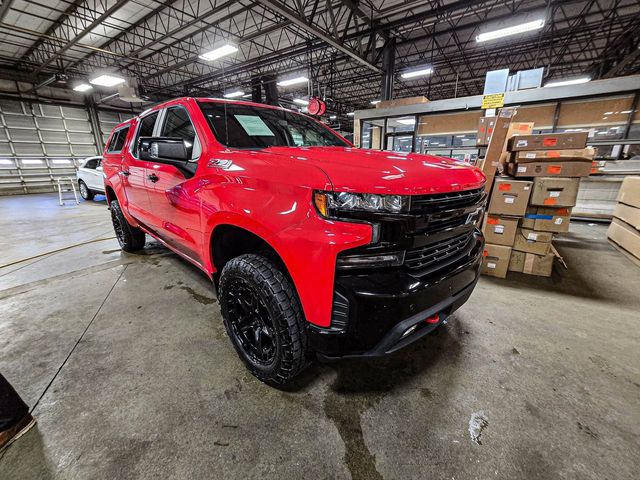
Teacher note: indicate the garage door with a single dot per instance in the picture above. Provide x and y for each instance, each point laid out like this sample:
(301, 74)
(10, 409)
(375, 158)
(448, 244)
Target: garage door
(40, 143)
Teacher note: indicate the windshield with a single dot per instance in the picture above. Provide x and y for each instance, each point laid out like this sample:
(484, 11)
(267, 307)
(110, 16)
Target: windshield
(248, 126)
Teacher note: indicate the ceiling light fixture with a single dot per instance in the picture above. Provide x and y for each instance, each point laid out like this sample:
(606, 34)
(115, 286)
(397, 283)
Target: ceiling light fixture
(375, 102)
(573, 81)
(506, 32)
(351, 114)
(107, 80)
(292, 81)
(332, 117)
(216, 53)
(301, 101)
(82, 87)
(234, 94)
(407, 121)
(417, 73)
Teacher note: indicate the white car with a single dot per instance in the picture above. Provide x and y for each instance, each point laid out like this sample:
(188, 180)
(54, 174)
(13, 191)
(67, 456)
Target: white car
(90, 177)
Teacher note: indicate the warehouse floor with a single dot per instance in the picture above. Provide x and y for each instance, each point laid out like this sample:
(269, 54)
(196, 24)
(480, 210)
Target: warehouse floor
(127, 362)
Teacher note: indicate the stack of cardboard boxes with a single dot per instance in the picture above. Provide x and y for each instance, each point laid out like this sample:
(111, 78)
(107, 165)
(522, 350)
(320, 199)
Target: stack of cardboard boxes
(533, 202)
(624, 231)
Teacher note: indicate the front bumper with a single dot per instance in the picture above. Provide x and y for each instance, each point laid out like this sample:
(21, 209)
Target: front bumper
(383, 305)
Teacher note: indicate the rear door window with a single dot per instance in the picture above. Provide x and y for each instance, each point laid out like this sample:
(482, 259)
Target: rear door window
(117, 140)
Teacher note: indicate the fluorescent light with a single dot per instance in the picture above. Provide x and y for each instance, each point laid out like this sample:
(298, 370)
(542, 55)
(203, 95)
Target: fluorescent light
(107, 80)
(573, 81)
(516, 29)
(234, 94)
(5, 162)
(332, 117)
(60, 162)
(216, 53)
(417, 73)
(351, 114)
(31, 162)
(407, 121)
(375, 102)
(82, 87)
(292, 81)
(300, 101)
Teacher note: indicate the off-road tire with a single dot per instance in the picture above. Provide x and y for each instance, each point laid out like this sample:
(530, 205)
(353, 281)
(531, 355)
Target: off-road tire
(279, 299)
(130, 238)
(85, 192)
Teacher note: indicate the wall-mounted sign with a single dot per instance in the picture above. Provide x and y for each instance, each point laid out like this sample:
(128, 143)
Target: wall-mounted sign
(495, 100)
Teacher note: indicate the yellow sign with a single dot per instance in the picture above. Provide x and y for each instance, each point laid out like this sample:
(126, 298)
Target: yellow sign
(495, 100)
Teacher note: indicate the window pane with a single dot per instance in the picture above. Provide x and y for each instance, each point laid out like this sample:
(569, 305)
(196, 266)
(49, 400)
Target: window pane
(119, 143)
(177, 124)
(145, 129)
(244, 126)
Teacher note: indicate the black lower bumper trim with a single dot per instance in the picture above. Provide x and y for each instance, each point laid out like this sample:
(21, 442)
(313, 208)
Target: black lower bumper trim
(394, 340)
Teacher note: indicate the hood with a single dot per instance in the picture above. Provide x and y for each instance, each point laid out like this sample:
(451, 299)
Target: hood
(375, 171)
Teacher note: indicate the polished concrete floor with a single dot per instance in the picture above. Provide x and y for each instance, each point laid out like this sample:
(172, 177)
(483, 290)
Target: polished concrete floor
(125, 361)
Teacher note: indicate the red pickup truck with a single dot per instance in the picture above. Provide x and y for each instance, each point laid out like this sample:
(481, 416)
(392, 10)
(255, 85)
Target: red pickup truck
(315, 248)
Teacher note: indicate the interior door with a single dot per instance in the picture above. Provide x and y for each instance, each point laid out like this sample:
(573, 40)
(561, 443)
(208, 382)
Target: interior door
(176, 211)
(134, 172)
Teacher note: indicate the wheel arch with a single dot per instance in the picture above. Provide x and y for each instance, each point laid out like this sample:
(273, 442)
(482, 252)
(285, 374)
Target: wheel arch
(110, 194)
(228, 241)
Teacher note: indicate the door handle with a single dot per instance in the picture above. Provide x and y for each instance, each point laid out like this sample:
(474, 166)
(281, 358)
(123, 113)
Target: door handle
(125, 173)
(153, 177)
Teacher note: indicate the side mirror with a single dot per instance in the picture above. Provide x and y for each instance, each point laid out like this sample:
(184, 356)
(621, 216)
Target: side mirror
(163, 149)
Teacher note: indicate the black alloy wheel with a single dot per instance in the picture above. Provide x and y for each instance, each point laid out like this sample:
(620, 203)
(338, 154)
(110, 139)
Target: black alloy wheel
(250, 322)
(263, 318)
(130, 238)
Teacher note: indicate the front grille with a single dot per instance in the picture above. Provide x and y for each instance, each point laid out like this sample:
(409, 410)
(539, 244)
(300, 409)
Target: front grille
(437, 255)
(444, 229)
(445, 201)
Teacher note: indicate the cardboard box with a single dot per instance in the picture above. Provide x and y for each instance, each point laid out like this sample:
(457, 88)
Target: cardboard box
(628, 214)
(531, 264)
(509, 197)
(548, 141)
(624, 235)
(543, 169)
(531, 241)
(515, 128)
(547, 219)
(495, 260)
(499, 230)
(570, 155)
(554, 191)
(630, 192)
(496, 144)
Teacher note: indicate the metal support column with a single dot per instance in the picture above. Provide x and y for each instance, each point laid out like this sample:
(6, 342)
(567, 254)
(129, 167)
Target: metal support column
(95, 123)
(388, 64)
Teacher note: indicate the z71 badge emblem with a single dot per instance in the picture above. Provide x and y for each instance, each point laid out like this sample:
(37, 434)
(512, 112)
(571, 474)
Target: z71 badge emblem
(217, 163)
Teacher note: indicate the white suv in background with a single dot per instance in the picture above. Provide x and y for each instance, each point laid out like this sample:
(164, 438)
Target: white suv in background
(90, 177)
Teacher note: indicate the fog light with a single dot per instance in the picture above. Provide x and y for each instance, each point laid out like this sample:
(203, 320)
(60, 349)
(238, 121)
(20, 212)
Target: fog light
(409, 330)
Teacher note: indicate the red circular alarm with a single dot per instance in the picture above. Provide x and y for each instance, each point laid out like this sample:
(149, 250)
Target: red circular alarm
(316, 106)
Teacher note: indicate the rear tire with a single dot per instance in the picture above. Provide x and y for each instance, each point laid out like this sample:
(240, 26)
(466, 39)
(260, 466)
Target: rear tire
(130, 238)
(263, 318)
(84, 191)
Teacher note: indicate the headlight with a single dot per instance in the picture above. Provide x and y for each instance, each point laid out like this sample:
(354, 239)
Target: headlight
(330, 204)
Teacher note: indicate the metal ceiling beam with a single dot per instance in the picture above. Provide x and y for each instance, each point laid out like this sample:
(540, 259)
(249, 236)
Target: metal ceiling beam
(4, 9)
(107, 13)
(296, 19)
